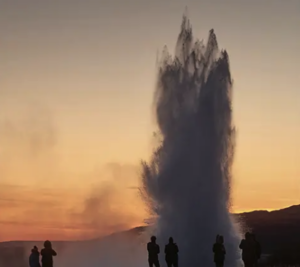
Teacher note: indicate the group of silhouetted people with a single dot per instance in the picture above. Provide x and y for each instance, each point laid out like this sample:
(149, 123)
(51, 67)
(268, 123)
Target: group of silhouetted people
(171, 253)
(250, 247)
(47, 254)
(251, 251)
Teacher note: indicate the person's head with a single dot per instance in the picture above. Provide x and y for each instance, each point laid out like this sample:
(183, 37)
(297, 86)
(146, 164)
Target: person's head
(47, 244)
(247, 236)
(171, 241)
(217, 239)
(153, 239)
(221, 239)
(253, 237)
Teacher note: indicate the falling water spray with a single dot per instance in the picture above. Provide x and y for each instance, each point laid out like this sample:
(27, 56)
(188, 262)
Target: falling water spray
(187, 183)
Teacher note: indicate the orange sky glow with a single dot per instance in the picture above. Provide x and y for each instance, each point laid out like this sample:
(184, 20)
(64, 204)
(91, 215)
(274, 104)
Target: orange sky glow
(76, 91)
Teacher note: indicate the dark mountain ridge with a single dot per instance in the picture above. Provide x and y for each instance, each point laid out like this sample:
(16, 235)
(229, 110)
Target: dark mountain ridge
(275, 229)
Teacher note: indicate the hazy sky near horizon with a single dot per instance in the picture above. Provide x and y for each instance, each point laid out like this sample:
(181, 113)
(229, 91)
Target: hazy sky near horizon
(76, 88)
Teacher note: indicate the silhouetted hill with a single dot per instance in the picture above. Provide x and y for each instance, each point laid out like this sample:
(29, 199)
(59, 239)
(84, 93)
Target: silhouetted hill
(275, 229)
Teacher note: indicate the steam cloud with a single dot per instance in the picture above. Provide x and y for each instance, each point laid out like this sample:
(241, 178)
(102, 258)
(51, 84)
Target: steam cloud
(187, 182)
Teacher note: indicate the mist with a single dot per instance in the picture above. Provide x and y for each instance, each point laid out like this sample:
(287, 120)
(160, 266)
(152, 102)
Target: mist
(41, 199)
(187, 183)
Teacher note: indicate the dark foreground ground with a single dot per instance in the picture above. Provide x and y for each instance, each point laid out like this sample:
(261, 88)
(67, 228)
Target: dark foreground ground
(278, 232)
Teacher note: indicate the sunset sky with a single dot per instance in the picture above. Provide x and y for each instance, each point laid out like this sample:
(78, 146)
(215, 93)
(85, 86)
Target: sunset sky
(76, 87)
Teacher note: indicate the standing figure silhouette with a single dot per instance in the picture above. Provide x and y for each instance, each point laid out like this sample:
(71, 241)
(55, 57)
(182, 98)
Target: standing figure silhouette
(219, 251)
(153, 251)
(34, 258)
(47, 254)
(171, 251)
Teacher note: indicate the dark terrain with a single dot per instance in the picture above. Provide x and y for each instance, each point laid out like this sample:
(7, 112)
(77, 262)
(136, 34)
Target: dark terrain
(278, 232)
(275, 229)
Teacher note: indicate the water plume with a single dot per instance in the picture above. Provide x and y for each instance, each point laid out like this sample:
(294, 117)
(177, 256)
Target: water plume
(187, 182)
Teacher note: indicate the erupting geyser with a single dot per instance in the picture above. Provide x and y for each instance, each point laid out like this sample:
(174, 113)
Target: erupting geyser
(187, 183)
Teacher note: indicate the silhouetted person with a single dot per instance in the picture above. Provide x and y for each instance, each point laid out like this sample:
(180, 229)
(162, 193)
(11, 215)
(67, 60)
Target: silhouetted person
(257, 250)
(47, 254)
(171, 251)
(153, 251)
(34, 258)
(219, 251)
(248, 250)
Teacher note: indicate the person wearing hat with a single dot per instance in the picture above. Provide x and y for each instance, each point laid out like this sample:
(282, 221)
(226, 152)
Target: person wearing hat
(34, 258)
